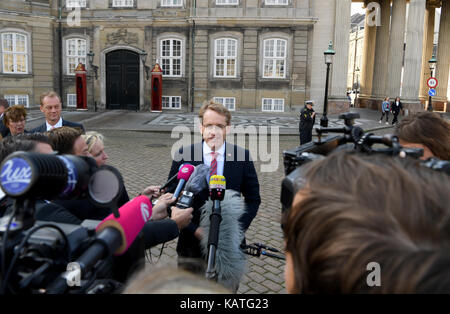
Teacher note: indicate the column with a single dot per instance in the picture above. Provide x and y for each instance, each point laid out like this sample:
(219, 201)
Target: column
(427, 51)
(396, 42)
(338, 79)
(380, 71)
(370, 35)
(413, 57)
(443, 57)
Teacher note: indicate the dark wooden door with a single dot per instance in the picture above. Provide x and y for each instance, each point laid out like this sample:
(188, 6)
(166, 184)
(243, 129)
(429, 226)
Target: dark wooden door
(122, 80)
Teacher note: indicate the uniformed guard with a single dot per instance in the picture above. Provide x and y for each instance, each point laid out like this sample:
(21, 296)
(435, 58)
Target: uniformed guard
(307, 119)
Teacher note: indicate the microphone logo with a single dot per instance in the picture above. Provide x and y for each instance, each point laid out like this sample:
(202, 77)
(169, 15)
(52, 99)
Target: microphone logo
(145, 212)
(15, 176)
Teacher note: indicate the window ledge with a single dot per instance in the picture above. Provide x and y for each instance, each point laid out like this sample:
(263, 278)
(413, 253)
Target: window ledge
(19, 75)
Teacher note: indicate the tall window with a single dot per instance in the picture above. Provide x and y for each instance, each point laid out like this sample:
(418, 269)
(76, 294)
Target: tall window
(171, 57)
(276, 2)
(275, 58)
(225, 52)
(227, 2)
(122, 3)
(14, 47)
(273, 104)
(171, 3)
(71, 100)
(228, 102)
(76, 3)
(171, 102)
(76, 53)
(17, 100)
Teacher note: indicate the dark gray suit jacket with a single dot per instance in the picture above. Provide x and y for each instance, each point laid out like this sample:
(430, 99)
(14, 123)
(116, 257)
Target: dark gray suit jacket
(43, 127)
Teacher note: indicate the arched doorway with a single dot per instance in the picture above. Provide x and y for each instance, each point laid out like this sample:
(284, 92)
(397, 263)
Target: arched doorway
(122, 80)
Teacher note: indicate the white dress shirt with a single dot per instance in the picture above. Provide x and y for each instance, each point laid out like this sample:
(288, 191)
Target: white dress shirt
(57, 125)
(207, 158)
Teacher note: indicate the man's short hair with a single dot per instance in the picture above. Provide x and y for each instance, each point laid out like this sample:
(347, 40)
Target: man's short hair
(13, 144)
(49, 94)
(63, 139)
(220, 109)
(4, 103)
(429, 129)
(358, 209)
(14, 114)
(35, 136)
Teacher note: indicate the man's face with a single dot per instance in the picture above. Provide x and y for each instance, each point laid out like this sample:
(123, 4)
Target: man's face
(51, 107)
(214, 129)
(80, 147)
(2, 109)
(309, 106)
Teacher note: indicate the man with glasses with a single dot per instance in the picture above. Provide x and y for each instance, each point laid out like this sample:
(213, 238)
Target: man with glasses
(223, 158)
(51, 107)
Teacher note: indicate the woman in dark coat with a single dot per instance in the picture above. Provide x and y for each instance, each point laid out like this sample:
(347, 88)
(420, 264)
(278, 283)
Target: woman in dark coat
(396, 108)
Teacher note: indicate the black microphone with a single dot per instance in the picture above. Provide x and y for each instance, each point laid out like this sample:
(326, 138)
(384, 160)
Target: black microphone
(199, 179)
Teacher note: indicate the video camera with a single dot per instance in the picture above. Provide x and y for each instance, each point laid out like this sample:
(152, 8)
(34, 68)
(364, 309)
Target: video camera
(352, 138)
(34, 255)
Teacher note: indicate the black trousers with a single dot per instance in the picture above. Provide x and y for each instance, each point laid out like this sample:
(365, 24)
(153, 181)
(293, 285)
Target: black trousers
(385, 113)
(395, 119)
(305, 136)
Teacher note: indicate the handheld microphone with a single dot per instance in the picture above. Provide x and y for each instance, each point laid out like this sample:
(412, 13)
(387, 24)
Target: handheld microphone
(183, 175)
(133, 216)
(217, 186)
(173, 178)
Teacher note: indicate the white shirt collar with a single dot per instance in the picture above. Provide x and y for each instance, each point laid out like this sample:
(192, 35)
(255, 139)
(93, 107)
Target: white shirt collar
(207, 150)
(57, 125)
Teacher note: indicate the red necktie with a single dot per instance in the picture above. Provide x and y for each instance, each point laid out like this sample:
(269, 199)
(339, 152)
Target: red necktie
(213, 168)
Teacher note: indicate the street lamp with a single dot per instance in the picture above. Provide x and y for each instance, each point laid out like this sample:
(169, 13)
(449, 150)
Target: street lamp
(143, 59)
(329, 53)
(432, 64)
(91, 55)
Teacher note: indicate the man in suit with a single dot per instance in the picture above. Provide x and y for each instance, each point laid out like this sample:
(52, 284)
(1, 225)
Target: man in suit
(4, 130)
(226, 159)
(51, 107)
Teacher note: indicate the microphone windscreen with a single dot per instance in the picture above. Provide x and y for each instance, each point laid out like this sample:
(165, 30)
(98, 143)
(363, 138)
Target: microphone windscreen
(198, 180)
(133, 216)
(185, 172)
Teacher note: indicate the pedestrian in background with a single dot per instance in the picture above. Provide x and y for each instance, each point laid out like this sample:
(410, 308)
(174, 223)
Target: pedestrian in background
(307, 120)
(396, 108)
(385, 109)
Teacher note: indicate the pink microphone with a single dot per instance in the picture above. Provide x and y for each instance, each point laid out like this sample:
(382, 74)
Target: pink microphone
(133, 216)
(183, 175)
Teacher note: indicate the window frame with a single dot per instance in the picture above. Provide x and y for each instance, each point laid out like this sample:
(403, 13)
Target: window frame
(171, 98)
(69, 4)
(68, 100)
(171, 58)
(171, 4)
(274, 58)
(16, 99)
(276, 3)
(15, 53)
(225, 57)
(223, 102)
(227, 2)
(67, 56)
(122, 5)
(271, 104)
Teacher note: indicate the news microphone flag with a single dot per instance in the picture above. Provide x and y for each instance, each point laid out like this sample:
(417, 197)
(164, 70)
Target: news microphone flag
(217, 186)
(183, 175)
(133, 216)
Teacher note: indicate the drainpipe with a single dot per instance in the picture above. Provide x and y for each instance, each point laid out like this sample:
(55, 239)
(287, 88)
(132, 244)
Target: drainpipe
(192, 31)
(60, 57)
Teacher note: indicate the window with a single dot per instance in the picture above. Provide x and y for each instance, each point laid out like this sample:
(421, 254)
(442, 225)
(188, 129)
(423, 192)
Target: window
(76, 53)
(171, 57)
(171, 3)
(122, 3)
(71, 100)
(273, 104)
(228, 102)
(225, 51)
(274, 58)
(171, 102)
(76, 3)
(14, 47)
(17, 100)
(227, 2)
(276, 2)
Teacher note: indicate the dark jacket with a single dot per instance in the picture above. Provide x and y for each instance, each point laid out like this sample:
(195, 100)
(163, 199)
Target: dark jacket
(306, 119)
(43, 127)
(240, 176)
(396, 109)
(4, 130)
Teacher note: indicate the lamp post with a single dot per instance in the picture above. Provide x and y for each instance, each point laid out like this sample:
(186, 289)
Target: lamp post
(329, 53)
(91, 55)
(143, 59)
(432, 64)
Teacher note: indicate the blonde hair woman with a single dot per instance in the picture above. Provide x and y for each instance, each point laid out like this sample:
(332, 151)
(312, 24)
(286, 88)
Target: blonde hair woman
(96, 147)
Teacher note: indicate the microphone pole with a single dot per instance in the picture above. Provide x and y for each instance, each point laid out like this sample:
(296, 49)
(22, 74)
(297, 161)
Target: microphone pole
(217, 186)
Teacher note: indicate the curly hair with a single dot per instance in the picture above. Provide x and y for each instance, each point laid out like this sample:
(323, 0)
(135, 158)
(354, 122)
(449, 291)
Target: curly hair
(14, 114)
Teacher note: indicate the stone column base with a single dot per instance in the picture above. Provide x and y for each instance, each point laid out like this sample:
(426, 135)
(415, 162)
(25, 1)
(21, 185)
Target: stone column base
(338, 105)
(413, 106)
(369, 103)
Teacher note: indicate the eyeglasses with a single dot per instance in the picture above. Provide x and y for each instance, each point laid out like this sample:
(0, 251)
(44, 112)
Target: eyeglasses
(210, 127)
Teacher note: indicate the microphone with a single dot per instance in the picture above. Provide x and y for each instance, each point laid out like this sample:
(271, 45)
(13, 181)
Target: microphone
(198, 180)
(183, 175)
(217, 185)
(133, 216)
(171, 179)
